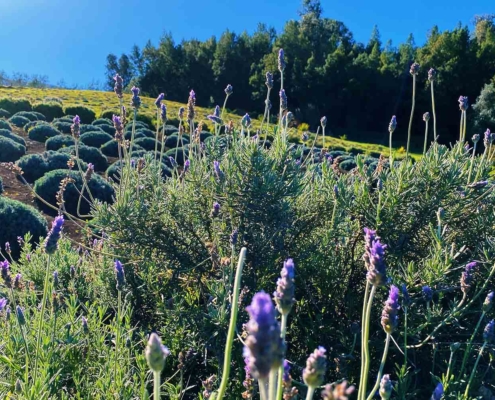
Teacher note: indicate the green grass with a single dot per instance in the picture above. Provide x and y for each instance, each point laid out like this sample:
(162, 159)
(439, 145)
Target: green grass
(100, 101)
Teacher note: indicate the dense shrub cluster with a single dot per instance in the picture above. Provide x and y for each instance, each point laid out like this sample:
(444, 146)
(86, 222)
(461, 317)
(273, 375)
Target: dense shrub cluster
(86, 114)
(10, 150)
(5, 125)
(95, 139)
(15, 105)
(16, 138)
(89, 155)
(34, 166)
(4, 113)
(31, 115)
(18, 121)
(49, 110)
(59, 141)
(42, 132)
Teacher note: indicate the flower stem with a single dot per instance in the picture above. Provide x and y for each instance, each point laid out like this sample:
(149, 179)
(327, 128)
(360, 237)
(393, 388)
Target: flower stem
(272, 384)
(464, 128)
(405, 336)
(156, 385)
(390, 145)
(412, 114)
(311, 392)
(117, 336)
(40, 323)
(283, 330)
(363, 317)
(461, 127)
(263, 390)
(231, 332)
(470, 343)
(380, 371)
(474, 370)
(434, 113)
(472, 163)
(364, 376)
(426, 138)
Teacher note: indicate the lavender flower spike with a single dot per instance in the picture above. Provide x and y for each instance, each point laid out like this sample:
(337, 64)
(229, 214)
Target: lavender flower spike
(76, 126)
(89, 172)
(374, 258)
(283, 100)
(246, 121)
(163, 112)
(51, 241)
(20, 315)
(156, 353)
(119, 86)
(427, 293)
(233, 237)
(489, 332)
(269, 80)
(316, 365)
(414, 69)
(386, 387)
(229, 90)
(390, 310)
(159, 99)
(393, 124)
(467, 277)
(119, 275)
(3, 303)
(432, 75)
(437, 393)
(323, 121)
(218, 172)
(284, 295)
(281, 60)
(463, 103)
(426, 116)
(135, 100)
(264, 347)
(488, 303)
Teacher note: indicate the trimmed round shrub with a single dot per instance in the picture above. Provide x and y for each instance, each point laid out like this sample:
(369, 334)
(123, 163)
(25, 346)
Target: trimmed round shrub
(4, 113)
(89, 155)
(28, 114)
(108, 129)
(95, 139)
(337, 153)
(18, 219)
(146, 119)
(90, 128)
(148, 144)
(139, 124)
(64, 127)
(40, 133)
(348, 165)
(173, 141)
(41, 116)
(182, 155)
(12, 136)
(137, 135)
(5, 125)
(204, 135)
(35, 166)
(110, 149)
(32, 124)
(10, 150)
(15, 105)
(49, 110)
(48, 186)
(57, 142)
(102, 121)
(108, 114)
(173, 122)
(86, 114)
(18, 121)
(67, 118)
(138, 153)
(170, 129)
(147, 132)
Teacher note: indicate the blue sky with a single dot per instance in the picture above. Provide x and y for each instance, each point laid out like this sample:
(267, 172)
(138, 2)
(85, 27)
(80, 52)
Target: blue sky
(69, 39)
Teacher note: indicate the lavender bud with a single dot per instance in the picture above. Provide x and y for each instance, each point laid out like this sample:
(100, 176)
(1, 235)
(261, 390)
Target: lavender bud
(290, 117)
(119, 274)
(159, 99)
(181, 112)
(426, 116)
(18, 282)
(119, 86)
(316, 365)
(187, 164)
(406, 300)
(51, 241)
(390, 310)
(284, 295)
(215, 211)
(20, 240)
(89, 172)
(477, 185)
(414, 69)
(281, 60)
(393, 124)
(76, 126)
(386, 387)
(475, 138)
(229, 90)
(233, 237)
(489, 332)
(20, 315)
(268, 104)
(84, 323)
(173, 163)
(432, 74)
(323, 121)
(8, 313)
(269, 80)
(427, 293)
(336, 190)
(437, 393)
(455, 346)
(286, 375)
(463, 103)
(488, 303)
(305, 136)
(156, 353)
(135, 100)
(18, 386)
(3, 303)
(246, 121)
(55, 279)
(283, 100)
(191, 102)
(264, 347)
(163, 112)
(374, 258)
(467, 277)
(218, 172)
(72, 271)
(7, 247)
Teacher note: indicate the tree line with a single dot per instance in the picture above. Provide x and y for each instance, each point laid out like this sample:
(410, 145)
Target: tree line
(357, 86)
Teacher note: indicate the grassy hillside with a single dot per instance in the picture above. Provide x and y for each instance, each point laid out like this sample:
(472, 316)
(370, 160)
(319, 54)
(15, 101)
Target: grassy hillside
(101, 101)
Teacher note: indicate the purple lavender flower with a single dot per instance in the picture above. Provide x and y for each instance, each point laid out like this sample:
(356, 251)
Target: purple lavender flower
(316, 365)
(467, 277)
(18, 282)
(489, 332)
(487, 140)
(284, 295)
(55, 279)
(246, 121)
(323, 121)
(386, 387)
(264, 347)
(248, 382)
(89, 172)
(475, 138)
(20, 315)
(281, 60)
(119, 127)
(229, 90)
(218, 172)
(20, 240)
(181, 112)
(191, 103)
(393, 124)
(432, 74)
(477, 185)
(336, 190)
(374, 258)
(437, 393)
(268, 104)
(390, 310)
(283, 100)
(156, 353)
(463, 103)
(3, 303)
(173, 163)
(84, 323)
(233, 237)
(269, 80)
(305, 137)
(8, 312)
(135, 100)
(426, 116)
(286, 375)
(76, 126)
(215, 211)
(488, 303)
(414, 69)
(427, 293)
(51, 241)
(119, 274)
(406, 300)
(119, 86)
(215, 117)
(159, 99)
(163, 112)
(72, 271)
(28, 257)
(187, 164)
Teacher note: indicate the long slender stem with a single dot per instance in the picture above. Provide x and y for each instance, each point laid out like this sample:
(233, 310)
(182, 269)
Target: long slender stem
(156, 385)
(263, 389)
(364, 375)
(390, 145)
(461, 126)
(157, 131)
(470, 343)
(311, 392)
(472, 163)
(426, 138)
(163, 143)
(465, 124)
(412, 114)
(117, 338)
(363, 317)
(231, 332)
(283, 330)
(272, 384)
(451, 358)
(434, 113)
(473, 372)
(380, 371)
(42, 314)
